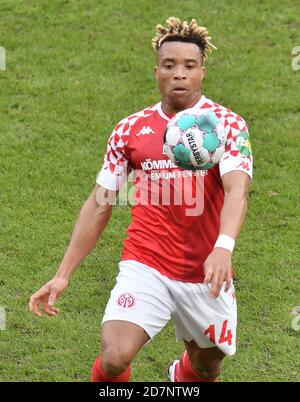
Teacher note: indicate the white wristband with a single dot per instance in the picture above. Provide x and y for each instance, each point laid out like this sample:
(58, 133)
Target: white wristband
(226, 242)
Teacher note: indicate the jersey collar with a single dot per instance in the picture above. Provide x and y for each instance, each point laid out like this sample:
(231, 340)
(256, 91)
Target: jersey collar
(200, 102)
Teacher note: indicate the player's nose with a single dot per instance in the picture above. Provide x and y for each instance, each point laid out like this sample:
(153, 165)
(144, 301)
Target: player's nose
(179, 73)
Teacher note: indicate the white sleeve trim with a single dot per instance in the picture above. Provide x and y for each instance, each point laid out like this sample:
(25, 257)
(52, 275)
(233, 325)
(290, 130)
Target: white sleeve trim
(235, 163)
(110, 181)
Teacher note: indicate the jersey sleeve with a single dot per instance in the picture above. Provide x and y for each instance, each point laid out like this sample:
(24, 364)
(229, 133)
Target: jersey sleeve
(116, 165)
(238, 153)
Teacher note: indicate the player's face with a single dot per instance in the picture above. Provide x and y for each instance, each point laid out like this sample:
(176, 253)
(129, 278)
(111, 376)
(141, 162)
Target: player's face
(179, 73)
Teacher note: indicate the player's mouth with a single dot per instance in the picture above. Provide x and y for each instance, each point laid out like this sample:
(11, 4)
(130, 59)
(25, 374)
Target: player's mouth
(179, 90)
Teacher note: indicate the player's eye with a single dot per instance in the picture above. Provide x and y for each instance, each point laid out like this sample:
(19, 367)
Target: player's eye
(168, 66)
(190, 67)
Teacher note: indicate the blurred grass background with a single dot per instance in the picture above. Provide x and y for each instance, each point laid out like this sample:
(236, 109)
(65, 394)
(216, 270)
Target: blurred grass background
(74, 69)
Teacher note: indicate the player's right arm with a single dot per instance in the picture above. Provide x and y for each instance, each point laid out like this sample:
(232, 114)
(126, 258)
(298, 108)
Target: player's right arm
(92, 219)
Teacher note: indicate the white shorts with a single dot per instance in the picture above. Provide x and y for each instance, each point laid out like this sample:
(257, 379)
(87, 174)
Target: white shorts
(149, 299)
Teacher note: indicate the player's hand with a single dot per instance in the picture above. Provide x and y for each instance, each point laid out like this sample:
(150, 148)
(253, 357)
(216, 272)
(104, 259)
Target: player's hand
(46, 297)
(217, 269)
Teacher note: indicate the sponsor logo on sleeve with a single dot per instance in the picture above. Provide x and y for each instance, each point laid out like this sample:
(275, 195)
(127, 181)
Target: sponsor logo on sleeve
(243, 143)
(244, 165)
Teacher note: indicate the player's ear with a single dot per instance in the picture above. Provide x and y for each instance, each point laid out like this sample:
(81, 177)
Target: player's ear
(155, 72)
(203, 71)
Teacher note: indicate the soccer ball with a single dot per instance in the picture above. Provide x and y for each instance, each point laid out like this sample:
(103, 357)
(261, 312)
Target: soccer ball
(195, 141)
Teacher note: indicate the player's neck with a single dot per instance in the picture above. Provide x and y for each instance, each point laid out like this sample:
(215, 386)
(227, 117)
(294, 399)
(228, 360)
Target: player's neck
(168, 107)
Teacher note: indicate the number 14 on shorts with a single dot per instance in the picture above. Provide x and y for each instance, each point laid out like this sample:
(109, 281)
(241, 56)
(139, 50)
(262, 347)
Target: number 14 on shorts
(225, 336)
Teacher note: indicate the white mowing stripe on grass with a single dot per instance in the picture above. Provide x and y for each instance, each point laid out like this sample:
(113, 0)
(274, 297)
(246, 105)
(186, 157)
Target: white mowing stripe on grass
(2, 58)
(2, 319)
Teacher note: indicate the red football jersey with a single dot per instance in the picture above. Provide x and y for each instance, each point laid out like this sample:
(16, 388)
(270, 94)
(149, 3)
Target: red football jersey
(176, 212)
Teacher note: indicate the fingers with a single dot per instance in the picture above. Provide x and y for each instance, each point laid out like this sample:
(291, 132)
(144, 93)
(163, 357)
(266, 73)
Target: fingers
(52, 297)
(216, 286)
(40, 298)
(33, 306)
(228, 281)
(216, 278)
(35, 300)
(47, 296)
(208, 276)
(49, 310)
(217, 268)
(212, 277)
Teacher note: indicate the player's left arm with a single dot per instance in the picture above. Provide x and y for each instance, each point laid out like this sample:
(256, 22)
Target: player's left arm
(218, 264)
(236, 188)
(236, 166)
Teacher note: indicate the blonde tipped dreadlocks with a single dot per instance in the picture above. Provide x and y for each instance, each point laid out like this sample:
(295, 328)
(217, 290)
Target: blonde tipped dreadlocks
(183, 32)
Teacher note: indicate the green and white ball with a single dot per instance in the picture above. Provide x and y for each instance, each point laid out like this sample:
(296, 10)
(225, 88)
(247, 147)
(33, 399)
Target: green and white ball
(195, 141)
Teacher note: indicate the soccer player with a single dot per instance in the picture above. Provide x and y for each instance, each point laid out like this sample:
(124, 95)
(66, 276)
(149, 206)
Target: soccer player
(175, 265)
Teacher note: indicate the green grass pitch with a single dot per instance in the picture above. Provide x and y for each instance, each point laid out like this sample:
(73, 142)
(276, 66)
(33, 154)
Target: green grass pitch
(73, 70)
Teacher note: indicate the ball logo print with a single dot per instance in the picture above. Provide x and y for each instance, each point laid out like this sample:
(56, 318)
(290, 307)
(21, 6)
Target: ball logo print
(195, 141)
(126, 300)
